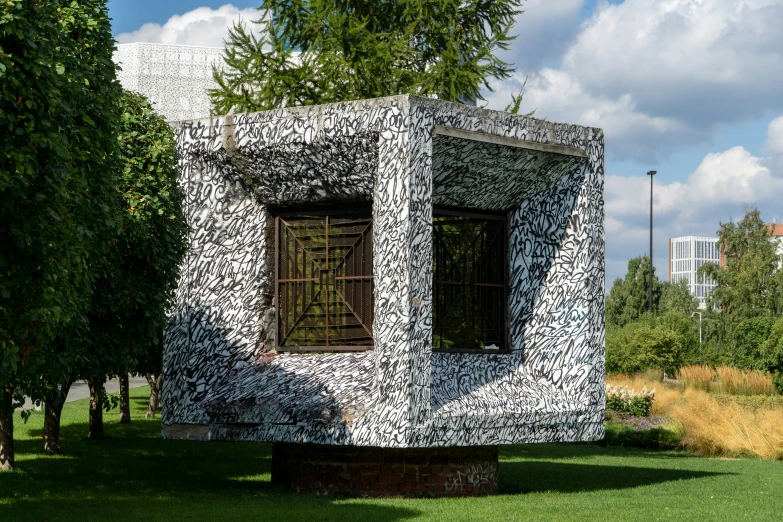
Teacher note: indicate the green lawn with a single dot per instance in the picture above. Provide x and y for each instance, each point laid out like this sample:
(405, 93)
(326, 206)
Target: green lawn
(134, 475)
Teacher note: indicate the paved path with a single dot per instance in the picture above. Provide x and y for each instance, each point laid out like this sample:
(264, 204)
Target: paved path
(80, 390)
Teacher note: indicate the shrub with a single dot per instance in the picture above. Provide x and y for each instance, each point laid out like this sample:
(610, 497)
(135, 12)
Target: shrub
(749, 336)
(664, 436)
(771, 353)
(642, 345)
(625, 400)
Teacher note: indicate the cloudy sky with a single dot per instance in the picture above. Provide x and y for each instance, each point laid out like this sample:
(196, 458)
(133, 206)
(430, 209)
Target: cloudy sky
(690, 88)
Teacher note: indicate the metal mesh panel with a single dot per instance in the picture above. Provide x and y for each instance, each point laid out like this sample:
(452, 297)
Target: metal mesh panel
(325, 283)
(469, 282)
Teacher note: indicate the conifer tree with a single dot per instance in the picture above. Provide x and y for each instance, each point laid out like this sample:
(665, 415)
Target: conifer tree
(315, 51)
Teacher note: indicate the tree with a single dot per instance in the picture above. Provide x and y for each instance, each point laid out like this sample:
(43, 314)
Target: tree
(136, 287)
(751, 283)
(687, 329)
(771, 353)
(628, 299)
(58, 148)
(354, 49)
(749, 336)
(677, 298)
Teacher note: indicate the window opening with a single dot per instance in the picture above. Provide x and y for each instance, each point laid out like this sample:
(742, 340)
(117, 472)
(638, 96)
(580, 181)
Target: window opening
(324, 282)
(469, 281)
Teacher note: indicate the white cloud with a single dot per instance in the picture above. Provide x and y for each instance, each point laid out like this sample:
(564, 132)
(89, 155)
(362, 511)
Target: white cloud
(680, 57)
(725, 180)
(720, 188)
(202, 26)
(558, 96)
(774, 145)
(658, 75)
(544, 31)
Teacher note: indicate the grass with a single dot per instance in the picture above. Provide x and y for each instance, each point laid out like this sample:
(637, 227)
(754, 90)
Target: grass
(135, 475)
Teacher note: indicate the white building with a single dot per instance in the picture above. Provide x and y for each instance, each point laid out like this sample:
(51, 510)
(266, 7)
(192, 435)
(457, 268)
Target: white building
(776, 236)
(686, 256)
(175, 78)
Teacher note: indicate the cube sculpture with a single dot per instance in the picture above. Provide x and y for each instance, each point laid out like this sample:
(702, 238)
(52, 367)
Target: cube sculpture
(387, 290)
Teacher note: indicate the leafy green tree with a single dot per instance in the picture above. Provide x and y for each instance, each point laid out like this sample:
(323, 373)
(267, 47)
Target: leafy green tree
(58, 153)
(354, 49)
(771, 354)
(748, 296)
(677, 298)
(751, 284)
(749, 336)
(136, 287)
(687, 328)
(161, 207)
(719, 340)
(628, 298)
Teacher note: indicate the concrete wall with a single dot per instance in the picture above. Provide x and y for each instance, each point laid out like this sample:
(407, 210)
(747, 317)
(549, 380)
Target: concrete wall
(402, 154)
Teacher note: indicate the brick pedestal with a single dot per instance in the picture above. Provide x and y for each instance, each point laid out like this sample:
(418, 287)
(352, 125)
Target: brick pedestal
(380, 472)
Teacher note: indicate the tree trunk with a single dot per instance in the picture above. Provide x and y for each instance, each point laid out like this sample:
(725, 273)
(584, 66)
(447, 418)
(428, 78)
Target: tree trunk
(54, 408)
(6, 429)
(124, 400)
(96, 411)
(156, 387)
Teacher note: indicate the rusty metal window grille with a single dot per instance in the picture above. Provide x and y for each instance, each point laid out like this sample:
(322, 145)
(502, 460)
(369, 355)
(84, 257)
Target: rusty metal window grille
(324, 282)
(469, 282)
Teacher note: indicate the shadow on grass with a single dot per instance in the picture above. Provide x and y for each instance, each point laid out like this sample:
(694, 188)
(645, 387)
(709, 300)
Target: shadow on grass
(134, 474)
(585, 450)
(540, 476)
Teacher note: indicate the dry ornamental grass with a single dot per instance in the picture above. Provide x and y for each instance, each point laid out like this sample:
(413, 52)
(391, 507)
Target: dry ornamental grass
(715, 428)
(717, 425)
(726, 379)
(743, 382)
(696, 376)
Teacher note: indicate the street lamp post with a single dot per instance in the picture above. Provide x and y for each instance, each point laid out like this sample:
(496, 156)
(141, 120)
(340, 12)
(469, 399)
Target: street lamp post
(700, 353)
(699, 313)
(652, 174)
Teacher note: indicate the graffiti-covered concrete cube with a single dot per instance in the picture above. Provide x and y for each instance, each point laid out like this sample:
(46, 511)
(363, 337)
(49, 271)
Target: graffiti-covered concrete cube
(399, 272)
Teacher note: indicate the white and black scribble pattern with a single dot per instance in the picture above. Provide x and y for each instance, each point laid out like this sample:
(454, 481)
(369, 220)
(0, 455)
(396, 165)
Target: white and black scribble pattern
(549, 388)
(486, 176)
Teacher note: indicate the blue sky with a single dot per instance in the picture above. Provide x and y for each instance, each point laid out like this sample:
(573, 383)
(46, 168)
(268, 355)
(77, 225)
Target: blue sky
(129, 15)
(690, 88)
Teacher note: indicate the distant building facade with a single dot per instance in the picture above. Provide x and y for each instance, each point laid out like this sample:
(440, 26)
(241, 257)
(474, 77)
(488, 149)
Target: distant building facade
(776, 236)
(688, 254)
(175, 78)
